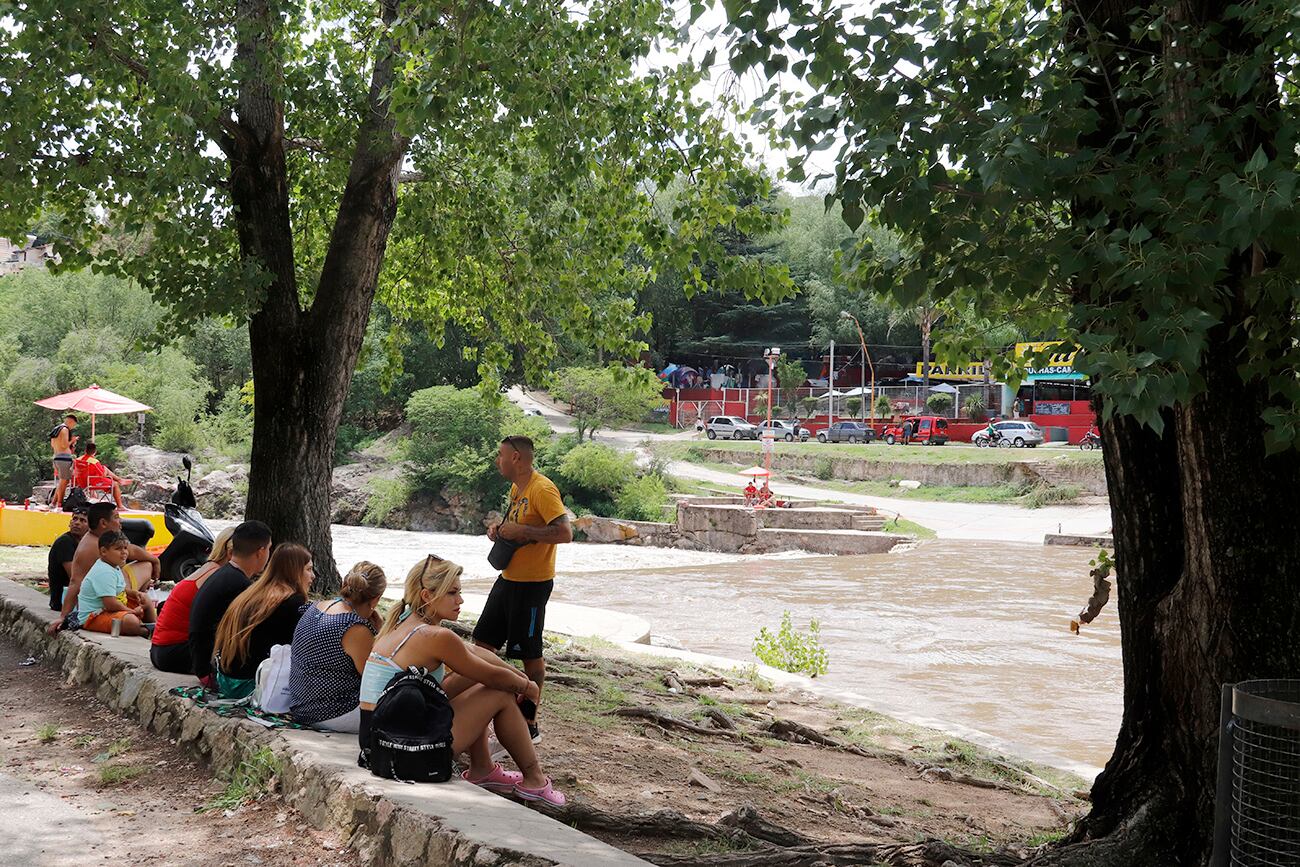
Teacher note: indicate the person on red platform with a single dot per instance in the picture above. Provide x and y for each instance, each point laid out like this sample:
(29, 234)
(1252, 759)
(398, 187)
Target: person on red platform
(96, 475)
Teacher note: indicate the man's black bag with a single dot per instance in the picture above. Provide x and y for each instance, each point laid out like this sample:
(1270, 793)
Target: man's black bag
(410, 730)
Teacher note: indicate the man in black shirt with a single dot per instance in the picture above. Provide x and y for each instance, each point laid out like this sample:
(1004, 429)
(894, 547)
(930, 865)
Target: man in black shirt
(62, 551)
(250, 548)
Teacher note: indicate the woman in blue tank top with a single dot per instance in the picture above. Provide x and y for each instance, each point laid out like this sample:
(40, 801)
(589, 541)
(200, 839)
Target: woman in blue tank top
(482, 687)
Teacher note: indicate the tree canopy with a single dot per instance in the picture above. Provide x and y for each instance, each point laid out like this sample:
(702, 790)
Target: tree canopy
(1122, 175)
(489, 165)
(606, 396)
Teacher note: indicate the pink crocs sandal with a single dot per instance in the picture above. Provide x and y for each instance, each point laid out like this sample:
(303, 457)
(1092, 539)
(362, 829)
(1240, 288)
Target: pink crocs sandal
(499, 780)
(546, 793)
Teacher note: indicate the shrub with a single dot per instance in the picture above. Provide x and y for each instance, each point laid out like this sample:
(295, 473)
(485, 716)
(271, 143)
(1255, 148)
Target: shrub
(455, 433)
(386, 497)
(853, 406)
(791, 650)
(809, 405)
(594, 469)
(824, 469)
(232, 423)
(884, 408)
(974, 407)
(642, 499)
(939, 403)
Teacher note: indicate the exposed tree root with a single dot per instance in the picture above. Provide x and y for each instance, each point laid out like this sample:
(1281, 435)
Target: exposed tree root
(669, 721)
(932, 854)
(773, 845)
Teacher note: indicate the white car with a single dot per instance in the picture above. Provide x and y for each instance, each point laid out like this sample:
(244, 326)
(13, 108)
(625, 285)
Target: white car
(731, 427)
(785, 430)
(1018, 432)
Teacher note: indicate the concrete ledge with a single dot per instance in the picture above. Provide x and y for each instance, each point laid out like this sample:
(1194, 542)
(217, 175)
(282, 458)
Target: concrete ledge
(1079, 540)
(389, 823)
(837, 542)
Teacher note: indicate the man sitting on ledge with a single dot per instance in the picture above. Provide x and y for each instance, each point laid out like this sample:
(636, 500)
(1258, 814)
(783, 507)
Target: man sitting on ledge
(103, 517)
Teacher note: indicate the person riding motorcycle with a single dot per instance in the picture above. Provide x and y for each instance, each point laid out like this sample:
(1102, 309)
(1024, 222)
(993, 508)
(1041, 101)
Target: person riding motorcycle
(992, 433)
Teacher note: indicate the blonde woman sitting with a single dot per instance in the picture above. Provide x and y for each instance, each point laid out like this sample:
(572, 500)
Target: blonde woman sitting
(482, 687)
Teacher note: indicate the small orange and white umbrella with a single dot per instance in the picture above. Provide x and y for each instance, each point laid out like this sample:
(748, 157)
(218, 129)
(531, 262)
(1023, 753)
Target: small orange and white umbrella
(755, 471)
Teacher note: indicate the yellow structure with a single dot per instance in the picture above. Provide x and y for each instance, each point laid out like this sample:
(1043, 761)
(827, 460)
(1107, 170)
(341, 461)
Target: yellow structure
(19, 526)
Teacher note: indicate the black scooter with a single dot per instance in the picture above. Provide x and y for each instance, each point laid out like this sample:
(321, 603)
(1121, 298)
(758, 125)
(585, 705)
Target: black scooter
(191, 539)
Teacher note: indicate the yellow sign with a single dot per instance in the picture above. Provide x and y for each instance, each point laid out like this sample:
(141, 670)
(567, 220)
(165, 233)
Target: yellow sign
(943, 371)
(1059, 366)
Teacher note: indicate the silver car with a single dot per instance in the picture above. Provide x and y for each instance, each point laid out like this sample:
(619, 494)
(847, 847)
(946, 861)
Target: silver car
(1019, 432)
(730, 427)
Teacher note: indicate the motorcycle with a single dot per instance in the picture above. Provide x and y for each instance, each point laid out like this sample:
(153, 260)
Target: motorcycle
(191, 539)
(995, 440)
(1090, 441)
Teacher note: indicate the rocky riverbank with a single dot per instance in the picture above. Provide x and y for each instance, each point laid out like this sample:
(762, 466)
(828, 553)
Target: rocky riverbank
(371, 490)
(685, 765)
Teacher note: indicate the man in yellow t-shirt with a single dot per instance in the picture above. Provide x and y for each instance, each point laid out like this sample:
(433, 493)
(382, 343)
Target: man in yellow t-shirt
(536, 520)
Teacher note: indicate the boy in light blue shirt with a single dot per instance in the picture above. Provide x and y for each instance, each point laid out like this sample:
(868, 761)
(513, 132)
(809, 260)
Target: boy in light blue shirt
(102, 598)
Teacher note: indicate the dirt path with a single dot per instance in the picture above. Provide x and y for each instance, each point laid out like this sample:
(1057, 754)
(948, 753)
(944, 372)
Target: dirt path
(80, 785)
(882, 782)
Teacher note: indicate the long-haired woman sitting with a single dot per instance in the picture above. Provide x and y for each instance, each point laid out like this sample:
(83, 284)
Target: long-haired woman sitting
(482, 687)
(261, 617)
(170, 650)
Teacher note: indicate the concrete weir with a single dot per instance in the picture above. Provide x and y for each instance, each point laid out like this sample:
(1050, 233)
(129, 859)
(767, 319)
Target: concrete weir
(726, 524)
(389, 823)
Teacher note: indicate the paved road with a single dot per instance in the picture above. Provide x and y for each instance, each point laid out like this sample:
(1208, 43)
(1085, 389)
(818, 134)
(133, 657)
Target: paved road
(991, 521)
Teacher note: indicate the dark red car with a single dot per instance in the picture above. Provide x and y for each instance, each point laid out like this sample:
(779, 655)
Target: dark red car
(930, 430)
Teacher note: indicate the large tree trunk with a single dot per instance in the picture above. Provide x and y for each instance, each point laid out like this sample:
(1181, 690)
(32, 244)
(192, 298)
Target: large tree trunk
(1207, 559)
(303, 359)
(1206, 551)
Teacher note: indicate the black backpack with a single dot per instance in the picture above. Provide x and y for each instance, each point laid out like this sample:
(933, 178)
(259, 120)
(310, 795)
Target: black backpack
(410, 730)
(75, 500)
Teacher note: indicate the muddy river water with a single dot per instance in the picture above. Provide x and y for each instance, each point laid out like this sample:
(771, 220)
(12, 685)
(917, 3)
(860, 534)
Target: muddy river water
(966, 634)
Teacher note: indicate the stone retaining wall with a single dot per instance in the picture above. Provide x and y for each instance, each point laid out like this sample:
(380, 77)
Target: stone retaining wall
(1090, 477)
(388, 823)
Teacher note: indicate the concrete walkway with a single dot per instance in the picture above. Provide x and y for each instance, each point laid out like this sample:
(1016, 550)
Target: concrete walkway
(42, 830)
(580, 621)
(389, 822)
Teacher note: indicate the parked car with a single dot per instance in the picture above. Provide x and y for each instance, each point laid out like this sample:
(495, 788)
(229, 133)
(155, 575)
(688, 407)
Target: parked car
(1020, 433)
(930, 430)
(730, 427)
(847, 432)
(786, 430)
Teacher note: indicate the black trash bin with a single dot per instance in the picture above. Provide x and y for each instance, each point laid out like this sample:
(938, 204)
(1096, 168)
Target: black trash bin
(1257, 809)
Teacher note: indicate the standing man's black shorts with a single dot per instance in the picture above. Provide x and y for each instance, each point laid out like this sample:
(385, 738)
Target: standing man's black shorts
(514, 616)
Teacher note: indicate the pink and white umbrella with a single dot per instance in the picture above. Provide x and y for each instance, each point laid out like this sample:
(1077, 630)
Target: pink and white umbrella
(94, 400)
(755, 471)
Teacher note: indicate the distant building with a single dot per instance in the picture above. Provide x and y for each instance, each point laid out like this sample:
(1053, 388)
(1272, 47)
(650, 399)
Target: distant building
(32, 251)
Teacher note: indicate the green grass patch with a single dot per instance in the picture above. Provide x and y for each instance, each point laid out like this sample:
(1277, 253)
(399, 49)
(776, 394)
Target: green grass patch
(1049, 495)
(1042, 838)
(115, 775)
(47, 733)
(908, 528)
(82, 742)
(254, 778)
